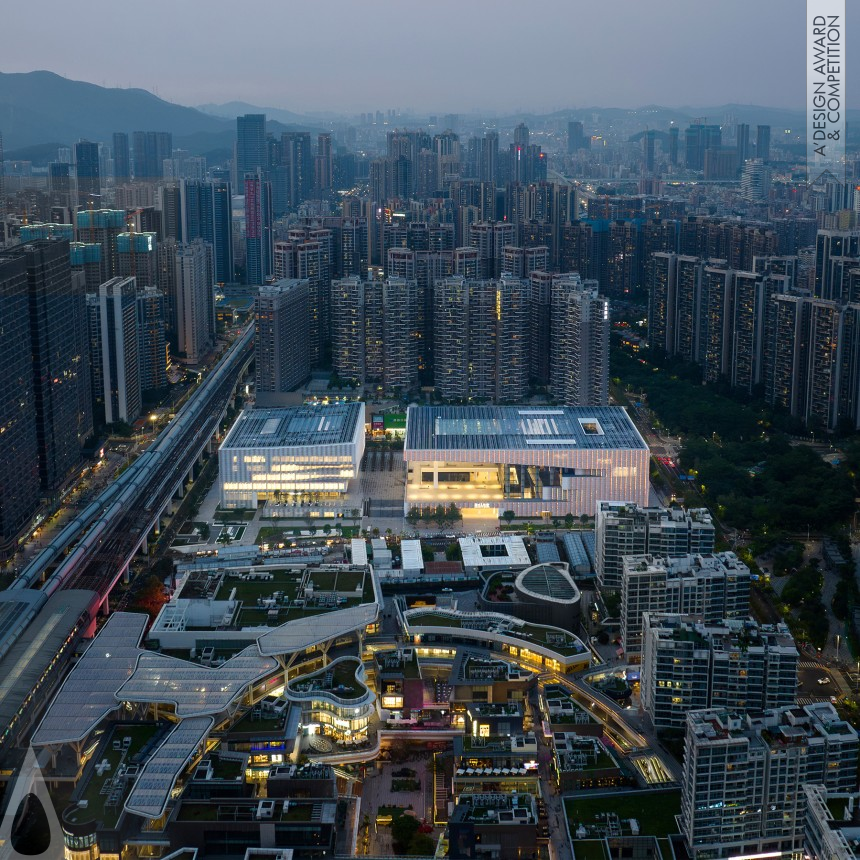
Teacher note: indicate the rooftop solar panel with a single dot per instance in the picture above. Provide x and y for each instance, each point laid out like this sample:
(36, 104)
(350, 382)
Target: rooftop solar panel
(501, 427)
(153, 786)
(320, 424)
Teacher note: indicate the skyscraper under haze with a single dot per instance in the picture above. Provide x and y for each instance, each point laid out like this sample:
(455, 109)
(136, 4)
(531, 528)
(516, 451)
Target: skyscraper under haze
(150, 149)
(281, 339)
(576, 139)
(88, 173)
(698, 139)
(250, 144)
(206, 213)
(762, 143)
(579, 342)
(195, 301)
(259, 245)
(742, 137)
(121, 159)
(152, 340)
(119, 343)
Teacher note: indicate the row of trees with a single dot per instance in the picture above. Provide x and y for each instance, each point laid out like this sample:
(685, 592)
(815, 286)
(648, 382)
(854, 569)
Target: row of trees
(569, 519)
(442, 515)
(802, 594)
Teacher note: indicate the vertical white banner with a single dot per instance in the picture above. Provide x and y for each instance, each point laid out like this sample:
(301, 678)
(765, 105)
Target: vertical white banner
(825, 89)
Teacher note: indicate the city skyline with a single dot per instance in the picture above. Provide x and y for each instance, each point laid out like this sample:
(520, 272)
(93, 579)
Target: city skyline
(429, 418)
(586, 61)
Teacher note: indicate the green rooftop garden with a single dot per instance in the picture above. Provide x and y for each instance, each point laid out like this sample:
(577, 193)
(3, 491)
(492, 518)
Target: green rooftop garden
(432, 619)
(654, 810)
(837, 805)
(97, 808)
(249, 590)
(254, 616)
(259, 725)
(589, 849)
(604, 761)
(557, 640)
(298, 812)
(493, 743)
(407, 668)
(331, 678)
(198, 812)
(226, 768)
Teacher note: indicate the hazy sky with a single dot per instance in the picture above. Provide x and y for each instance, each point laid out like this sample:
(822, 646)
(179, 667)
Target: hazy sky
(429, 55)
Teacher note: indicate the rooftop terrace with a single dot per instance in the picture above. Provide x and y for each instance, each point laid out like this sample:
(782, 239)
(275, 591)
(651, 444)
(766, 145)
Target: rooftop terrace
(403, 663)
(239, 598)
(340, 678)
(552, 638)
(104, 789)
(493, 808)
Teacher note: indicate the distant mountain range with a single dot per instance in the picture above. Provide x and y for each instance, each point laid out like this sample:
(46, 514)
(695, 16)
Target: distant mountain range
(230, 110)
(41, 107)
(38, 107)
(42, 110)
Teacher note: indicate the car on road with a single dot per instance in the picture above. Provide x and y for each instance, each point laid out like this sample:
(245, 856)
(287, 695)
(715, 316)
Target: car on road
(824, 679)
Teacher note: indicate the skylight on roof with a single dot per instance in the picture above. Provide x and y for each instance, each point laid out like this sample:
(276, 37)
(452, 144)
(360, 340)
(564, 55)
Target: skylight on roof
(590, 426)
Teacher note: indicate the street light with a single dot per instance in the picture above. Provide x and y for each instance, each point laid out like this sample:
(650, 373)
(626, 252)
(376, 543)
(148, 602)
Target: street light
(153, 418)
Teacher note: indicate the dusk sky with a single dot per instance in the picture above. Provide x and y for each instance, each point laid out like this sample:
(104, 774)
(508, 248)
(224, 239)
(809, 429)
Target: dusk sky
(439, 55)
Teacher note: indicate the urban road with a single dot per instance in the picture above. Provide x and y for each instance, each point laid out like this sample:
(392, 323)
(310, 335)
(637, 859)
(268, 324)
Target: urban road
(103, 566)
(95, 547)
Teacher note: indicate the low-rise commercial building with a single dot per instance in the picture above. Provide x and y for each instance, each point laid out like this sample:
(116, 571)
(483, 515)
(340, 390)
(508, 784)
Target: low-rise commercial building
(335, 701)
(234, 678)
(829, 835)
(492, 755)
(582, 762)
(478, 678)
(542, 593)
(499, 824)
(501, 552)
(562, 713)
(536, 646)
